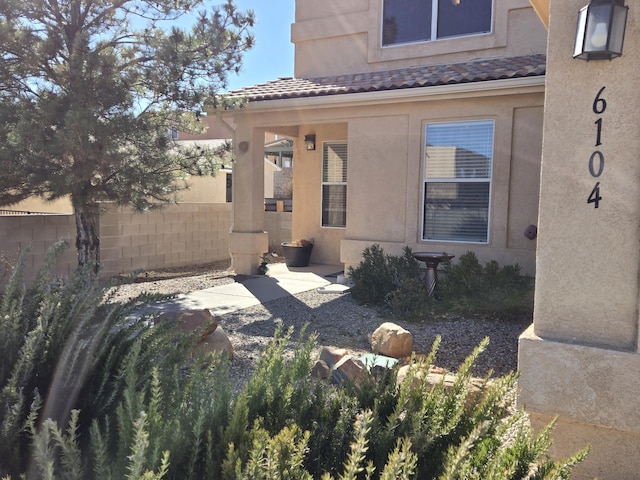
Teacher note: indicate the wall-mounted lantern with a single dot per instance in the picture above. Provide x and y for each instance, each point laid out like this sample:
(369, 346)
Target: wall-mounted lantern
(601, 26)
(310, 141)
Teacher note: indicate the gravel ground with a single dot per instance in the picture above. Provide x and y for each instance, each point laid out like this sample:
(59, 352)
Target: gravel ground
(337, 320)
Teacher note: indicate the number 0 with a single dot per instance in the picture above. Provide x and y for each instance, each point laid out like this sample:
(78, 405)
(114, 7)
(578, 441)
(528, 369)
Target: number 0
(592, 170)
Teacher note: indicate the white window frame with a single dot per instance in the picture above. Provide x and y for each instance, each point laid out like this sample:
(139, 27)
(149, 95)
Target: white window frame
(434, 27)
(325, 145)
(424, 237)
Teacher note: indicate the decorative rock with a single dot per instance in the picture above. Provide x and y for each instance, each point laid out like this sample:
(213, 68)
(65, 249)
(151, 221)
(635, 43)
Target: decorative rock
(191, 321)
(438, 376)
(403, 373)
(216, 342)
(321, 370)
(392, 340)
(332, 355)
(348, 369)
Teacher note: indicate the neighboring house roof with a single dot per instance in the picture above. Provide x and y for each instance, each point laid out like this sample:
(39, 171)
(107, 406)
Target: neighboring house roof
(480, 70)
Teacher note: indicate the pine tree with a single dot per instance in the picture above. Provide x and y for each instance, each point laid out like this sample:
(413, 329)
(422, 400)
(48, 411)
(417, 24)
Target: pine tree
(89, 93)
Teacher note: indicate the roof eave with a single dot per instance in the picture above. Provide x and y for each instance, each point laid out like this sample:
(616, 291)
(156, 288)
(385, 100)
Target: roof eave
(509, 86)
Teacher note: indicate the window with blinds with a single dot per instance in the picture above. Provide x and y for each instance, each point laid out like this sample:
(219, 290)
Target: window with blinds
(457, 181)
(334, 184)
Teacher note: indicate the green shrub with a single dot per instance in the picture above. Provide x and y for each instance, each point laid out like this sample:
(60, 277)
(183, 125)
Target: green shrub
(128, 405)
(65, 348)
(411, 431)
(378, 275)
(467, 286)
(464, 287)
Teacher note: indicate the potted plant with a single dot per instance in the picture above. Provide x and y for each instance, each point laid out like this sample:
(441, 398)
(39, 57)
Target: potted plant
(297, 253)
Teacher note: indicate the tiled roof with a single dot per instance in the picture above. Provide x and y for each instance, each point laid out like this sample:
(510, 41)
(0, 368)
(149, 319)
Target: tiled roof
(411, 77)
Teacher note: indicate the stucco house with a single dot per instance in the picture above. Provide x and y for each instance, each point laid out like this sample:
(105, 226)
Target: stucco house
(414, 123)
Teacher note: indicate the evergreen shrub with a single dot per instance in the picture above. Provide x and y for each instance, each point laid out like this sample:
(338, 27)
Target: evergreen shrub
(464, 286)
(380, 274)
(130, 403)
(467, 286)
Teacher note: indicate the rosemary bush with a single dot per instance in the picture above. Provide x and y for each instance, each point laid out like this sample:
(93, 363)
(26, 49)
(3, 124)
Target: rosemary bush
(88, 391)
(65, 348)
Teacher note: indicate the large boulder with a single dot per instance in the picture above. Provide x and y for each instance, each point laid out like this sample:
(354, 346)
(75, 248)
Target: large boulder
(211, 337)
(216, 342)
(200, 321)
(392, 340)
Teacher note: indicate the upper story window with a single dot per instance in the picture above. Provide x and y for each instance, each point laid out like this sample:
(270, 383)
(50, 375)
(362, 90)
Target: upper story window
(407, 21)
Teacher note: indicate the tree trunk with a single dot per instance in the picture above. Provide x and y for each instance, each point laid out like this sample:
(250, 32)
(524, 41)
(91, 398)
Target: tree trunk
(87, 240)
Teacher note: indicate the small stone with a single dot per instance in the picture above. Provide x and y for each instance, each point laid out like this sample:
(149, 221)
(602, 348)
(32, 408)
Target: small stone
(392, 340)
(331, 355)
(403, 373)
(348, 369)
(321, 370)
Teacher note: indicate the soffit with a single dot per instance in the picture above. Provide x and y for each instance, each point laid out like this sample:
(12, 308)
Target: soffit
(480, 70)
(542, 9)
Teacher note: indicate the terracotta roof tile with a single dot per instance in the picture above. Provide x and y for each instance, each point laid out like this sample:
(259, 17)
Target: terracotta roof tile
(410, 77)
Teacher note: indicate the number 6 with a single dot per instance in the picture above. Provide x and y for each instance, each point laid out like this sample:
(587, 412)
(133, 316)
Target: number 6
(599, 104)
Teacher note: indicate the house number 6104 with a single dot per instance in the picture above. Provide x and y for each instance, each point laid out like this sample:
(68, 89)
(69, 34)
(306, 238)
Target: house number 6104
(596, 160)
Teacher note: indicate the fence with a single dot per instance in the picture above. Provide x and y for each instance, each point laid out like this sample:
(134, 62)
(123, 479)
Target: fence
(178, 235)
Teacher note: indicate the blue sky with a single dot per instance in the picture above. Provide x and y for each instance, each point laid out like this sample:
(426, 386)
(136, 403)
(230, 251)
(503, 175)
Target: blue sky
(272, 55)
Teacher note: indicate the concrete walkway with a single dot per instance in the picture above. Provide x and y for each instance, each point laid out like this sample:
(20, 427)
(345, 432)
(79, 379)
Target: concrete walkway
(280, 281)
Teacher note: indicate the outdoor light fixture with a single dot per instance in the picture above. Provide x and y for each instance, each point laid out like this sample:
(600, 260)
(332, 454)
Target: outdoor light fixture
(310, 141)
(600, 33)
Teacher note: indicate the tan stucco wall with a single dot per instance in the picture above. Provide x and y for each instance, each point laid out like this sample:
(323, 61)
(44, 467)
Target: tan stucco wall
(353, 29)
(307, 194)
(580, 360)
(593, 394)
(385, 170)
(205, 190)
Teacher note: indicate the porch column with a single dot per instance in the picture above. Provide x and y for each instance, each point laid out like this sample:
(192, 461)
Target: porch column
(248, 240)
(580, 359)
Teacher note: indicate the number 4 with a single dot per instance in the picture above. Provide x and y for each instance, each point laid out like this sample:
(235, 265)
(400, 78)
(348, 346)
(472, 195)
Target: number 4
(594, 196)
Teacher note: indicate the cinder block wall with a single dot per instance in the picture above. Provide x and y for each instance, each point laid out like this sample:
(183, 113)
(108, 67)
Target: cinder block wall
(278, 224)
(37, 233)
(177, 235)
